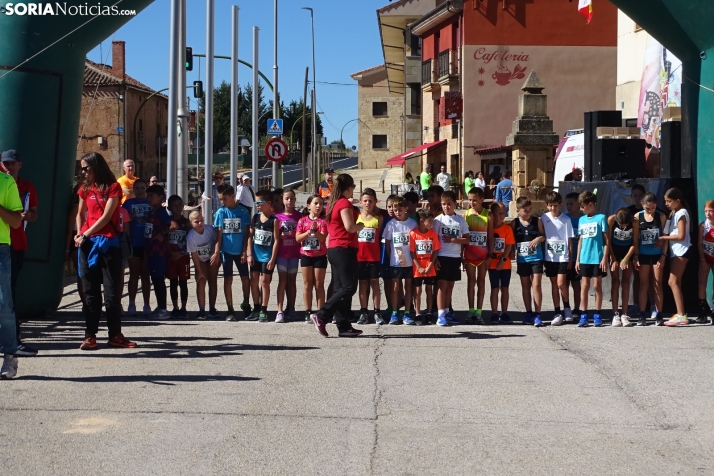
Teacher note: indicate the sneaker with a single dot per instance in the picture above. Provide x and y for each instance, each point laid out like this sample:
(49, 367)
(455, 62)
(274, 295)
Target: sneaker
(471, 317)
(90, 343)
(494, 318)
(363, 319)
(147, 310)
(245, 307)
(292, 316)
(394, 320)
(308, 317)
(597, 320)
(528, 319)
(213, 313)
(702, 319)
(537, 321)
(351, 332)
(334, 320)
(163, 314)
(616, 320)
(262, 317)
(653, 312)
(659, 320)
(24, 350)
(452, 320)
(131, 310)
(642, 322)
(378, 319)
(568, 315)
(319, 325)
(442, 321)
(677, 321)
(201, 315)
(175, 313)
(279, 318)
(253, 316)
(625, 319)
(505, 319)
(558, 320)
(231, 317)
(408, 320)
(583, 320)
(9, 367)
(120, 341)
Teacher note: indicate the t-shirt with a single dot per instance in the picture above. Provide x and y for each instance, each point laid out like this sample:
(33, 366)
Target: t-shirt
(157, 223)
(678, 247)
(126, 182)
(339, 236)
(424, 245)
(177, 238)
(140, 209)
(233, 223)
(263, 238)
(558, 232)
(397, 234)
(244, 196)
(523, 235)
(289, 247)
(9, 199)
(591, 231)
(477, 249)
(468, 184)
(202, 244)
(96, 202)
(368, 239)
(312, 246)
(444, 180)
(575, 222)
(28, 197)
(502, 237)
(424, 180)
(450, 225)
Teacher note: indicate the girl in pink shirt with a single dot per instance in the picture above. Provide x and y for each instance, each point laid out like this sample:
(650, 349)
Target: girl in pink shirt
(288, 256)
(311, 234)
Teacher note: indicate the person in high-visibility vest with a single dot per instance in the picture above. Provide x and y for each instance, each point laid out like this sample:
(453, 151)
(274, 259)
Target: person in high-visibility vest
(325, 188)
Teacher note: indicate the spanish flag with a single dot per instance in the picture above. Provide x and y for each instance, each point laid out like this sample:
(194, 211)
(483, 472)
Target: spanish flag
(585, 7)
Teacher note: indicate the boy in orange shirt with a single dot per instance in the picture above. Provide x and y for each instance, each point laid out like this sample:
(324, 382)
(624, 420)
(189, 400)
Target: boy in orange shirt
(499, 272)
(424, 244)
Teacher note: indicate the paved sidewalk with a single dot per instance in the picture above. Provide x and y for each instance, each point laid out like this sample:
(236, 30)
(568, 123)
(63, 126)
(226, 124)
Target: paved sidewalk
(210, 397)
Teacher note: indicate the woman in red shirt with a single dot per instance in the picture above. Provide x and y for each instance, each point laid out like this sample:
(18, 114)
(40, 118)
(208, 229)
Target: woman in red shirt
(100, 258)
(342, 247)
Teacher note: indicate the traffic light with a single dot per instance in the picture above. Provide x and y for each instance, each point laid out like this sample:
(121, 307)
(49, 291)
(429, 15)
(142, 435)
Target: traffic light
(198, 89)
(189, 58)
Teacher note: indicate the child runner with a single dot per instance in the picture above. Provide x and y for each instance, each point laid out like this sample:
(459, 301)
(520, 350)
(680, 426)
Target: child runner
(637, 192)
(139, 210)
(179, 266)
(424, 245)
(499, 272)
(593, 252)
(312, 232)
(433, 196)
(412, 199)
(156, 232)
(573, 277)
(400, 260)
(277, 201)
(453, 232)
(205, 249)
(232, 223)
(477, 253)
(262, 253)
(369, 255)
(648, 226)
(288, 260)
(706, 260)
(622, 250)
(528, 232)
(676, 235)
(385, 271)
(558, 249)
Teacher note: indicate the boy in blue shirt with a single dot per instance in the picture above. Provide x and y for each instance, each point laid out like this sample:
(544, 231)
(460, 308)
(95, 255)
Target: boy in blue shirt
(232, 222)
(573, 278)
(262, 254)
(593, 250)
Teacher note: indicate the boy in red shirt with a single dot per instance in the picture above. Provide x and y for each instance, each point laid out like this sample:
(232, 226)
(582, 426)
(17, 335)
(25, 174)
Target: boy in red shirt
(499, 272)
(424, 244)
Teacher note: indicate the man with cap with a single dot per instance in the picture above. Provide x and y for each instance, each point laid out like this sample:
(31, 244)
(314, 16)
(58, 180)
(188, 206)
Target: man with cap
(11, 164)
(11, 212)
(127, 180)
(243, 194)
(325, 188)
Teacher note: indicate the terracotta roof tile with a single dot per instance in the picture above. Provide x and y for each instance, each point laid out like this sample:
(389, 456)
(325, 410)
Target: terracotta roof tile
(96, 74)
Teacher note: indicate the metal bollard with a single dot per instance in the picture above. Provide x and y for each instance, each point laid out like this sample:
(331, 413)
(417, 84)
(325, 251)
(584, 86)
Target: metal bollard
(360, 187)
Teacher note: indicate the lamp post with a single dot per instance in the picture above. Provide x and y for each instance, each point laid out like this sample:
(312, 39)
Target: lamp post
(343, 128)
(314, 92)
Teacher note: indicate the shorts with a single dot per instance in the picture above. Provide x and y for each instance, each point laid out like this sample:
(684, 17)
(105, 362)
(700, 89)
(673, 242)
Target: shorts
(449, 269)
(385, 271)
(368, 270)
(157, 266)
(529, 269)
(592, 271)
(179, 269)
(429, 281)
(397, 272)
(499, 279)
(649, 260)
(317, 262)
(287, 265)
(262, 268)
(137, 252)
(474, 262)
(553, 269)
(573, 275)
(620, 251)
(423, 194)
(228, 261)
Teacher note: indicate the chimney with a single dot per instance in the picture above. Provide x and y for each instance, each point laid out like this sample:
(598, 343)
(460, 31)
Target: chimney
(118, 56)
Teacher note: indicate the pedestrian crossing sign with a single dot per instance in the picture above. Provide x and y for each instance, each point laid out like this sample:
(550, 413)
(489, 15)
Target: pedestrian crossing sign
(275, 127)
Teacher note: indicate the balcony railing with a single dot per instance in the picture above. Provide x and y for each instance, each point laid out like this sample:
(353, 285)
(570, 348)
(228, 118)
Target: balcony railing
(426, 75)
(444, 69)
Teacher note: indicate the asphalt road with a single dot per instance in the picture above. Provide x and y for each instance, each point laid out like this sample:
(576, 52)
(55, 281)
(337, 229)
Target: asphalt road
(293, 173)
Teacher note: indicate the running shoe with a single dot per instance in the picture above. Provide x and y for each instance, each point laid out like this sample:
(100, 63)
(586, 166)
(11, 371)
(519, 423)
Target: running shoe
(505, 319)
(537, 321)
(659, 320)
(319, 325)
(528, 319)
(262, 317)
(307, 316)
(452, 319)
(363, 319)
(24, 350)
(90, 343)
(471, 317)
(201, 315)
(583, 320)
(653, 312)
(558, 320)
(677, 321)
(213, 313)
(163, 314)
(494, 318)
(245, 307)
(292, 316)
(616, 320)
(9, 367)
(120, 341)
(394, 320)
(183, 314)
(408, 320)
(425, 319)
(642, 322)
(279, 317)
(442, 321)
(175, 313)
(378, 319)
(131, 310)
(625, 319)
(351, 332)
(231, 317)
(147, 310)
(568, 314)
(597, 320)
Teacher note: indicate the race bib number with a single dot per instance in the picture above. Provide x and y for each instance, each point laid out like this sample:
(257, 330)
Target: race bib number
(424, 247)
(708, 248)
(141, 211)
(368, 235)
(477, 238)
(263, 237)
(311, 244)
(148, 230)
(204, 252)
(499, 245)
(451, 231)
(232, 226)
(177, 237)
(401, 239)
(557, 247)
(649, 237)
(622, 235)
(525, 250)
(588, 230)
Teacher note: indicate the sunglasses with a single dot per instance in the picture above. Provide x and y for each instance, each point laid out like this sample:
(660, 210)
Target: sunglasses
(260, 202)
(86, 168)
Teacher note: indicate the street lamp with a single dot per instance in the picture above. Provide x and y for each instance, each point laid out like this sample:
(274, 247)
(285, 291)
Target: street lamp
(314, 92)
(292, 129)
(343, 128)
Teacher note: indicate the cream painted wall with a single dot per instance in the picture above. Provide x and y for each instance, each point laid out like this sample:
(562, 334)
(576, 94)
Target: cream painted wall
(631, 45)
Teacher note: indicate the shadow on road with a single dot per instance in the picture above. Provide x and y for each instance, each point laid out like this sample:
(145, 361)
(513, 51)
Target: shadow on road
(458, 335)
(155, 379)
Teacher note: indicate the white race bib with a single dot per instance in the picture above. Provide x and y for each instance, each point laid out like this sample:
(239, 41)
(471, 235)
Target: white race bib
(232, 226)
(557, 247)
(177, 237)
(400, 239)
(423, 247)
(204, 251)
(499, 245)
(148, 230)
(649, 237)
(525, 250)
(708, 248)
(311, 244)
(477, 238)
(141, 211)
(263, 237)
(588, 230)
(622, 235)
(368, 235)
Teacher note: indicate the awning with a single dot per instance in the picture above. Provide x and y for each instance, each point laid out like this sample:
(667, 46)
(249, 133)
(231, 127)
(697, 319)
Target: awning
(402, 158)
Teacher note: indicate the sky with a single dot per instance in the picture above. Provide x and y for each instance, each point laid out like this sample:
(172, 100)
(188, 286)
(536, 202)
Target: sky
(346, 41)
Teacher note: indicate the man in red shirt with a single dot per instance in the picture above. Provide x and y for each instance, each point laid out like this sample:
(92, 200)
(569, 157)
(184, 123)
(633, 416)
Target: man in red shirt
(11, 164)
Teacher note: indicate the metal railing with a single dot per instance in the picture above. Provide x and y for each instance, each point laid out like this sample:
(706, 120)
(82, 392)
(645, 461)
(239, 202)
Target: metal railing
(426, 72)
(444, 69)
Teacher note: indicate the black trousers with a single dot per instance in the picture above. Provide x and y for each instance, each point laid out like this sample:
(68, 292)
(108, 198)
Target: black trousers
(344, 278)
(105, 274)
(18, 259)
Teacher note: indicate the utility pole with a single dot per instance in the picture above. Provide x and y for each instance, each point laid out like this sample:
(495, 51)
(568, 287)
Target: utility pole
(254, 176)
(314, 174)
(234, 97)
(208, 182)
(182, 114)
(174, 95)
(276, 104)
(303, 145)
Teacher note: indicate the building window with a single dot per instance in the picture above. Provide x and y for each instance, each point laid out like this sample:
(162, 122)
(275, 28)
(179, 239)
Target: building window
(415, 102)
(426, 73)
(444, 63)
(379, 109)
(379, 141)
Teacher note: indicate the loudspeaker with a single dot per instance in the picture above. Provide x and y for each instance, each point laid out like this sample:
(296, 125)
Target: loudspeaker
(670, 153)
(625, 157)
(593, 120)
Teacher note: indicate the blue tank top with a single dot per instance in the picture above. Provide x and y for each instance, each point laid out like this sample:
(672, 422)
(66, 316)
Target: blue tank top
(649, 232)
(622, 237)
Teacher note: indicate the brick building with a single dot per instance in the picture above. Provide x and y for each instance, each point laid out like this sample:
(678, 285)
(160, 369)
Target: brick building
(109, 122)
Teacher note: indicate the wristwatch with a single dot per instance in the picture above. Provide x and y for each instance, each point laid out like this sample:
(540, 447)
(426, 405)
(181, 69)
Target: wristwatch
(504, 259)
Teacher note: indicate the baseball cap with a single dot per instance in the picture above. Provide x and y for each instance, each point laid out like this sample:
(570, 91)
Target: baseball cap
(329, 170)
(10, 156)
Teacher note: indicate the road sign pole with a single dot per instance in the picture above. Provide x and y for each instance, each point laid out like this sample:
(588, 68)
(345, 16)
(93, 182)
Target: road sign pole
(234, 97)
(276, 105)
(174, 95)
(208, 207)
(255, 109)
(182, 114)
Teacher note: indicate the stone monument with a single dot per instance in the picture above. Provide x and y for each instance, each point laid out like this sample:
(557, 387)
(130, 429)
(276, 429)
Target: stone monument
(532, 142)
